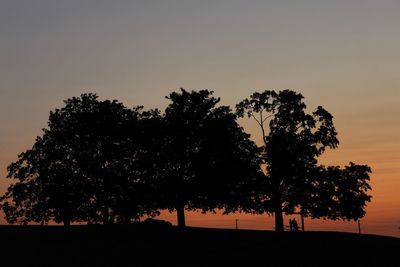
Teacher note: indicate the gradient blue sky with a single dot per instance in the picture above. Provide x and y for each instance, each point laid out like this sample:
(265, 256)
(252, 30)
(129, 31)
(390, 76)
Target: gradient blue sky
(343, 55)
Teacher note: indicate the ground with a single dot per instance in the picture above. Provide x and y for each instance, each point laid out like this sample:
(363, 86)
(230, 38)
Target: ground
(152, 245)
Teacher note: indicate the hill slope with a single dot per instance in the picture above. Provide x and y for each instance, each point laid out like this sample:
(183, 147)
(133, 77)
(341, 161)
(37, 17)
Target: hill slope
(140, 245)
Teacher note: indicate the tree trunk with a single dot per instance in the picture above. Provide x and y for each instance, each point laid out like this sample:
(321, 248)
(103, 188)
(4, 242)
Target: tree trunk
(66, 222)
(127, 215)
(278, 217)
(65, 216)
(127, 218)
(277, 204)
(302, 222)
(180, 210)
(105, 215)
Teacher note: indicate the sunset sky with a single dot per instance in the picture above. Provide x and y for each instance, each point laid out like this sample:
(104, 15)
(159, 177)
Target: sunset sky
(343, 55)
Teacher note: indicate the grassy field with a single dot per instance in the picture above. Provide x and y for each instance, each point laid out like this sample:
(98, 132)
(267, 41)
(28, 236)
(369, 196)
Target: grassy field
(140, 245)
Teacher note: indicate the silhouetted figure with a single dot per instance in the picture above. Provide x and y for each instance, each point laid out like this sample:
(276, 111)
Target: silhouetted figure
(290, 225)
(295, 226)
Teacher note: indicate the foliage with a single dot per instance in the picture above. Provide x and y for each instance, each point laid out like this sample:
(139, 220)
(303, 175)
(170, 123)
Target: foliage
(208, 156)
(339, 193)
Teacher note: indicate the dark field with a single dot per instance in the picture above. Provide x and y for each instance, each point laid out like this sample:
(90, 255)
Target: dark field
(141, 245)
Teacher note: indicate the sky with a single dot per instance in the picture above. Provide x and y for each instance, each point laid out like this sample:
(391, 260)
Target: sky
(342, 55)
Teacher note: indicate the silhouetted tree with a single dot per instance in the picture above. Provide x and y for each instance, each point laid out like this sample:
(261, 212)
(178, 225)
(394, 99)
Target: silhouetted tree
(108, 141)
(291, 146)
(135, 193)
(87, 166)
(338, 193)
(207, 156)
(47, 187)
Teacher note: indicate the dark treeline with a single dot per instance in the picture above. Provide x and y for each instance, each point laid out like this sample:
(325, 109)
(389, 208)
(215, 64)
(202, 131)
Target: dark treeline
(101, 162)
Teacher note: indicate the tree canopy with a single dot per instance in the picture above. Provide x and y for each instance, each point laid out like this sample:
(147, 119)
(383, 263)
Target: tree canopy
(338, 193)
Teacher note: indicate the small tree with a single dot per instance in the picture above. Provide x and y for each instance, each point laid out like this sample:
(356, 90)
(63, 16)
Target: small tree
(338, 193)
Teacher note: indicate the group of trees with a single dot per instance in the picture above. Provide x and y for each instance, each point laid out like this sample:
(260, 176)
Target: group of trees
(101, 162)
